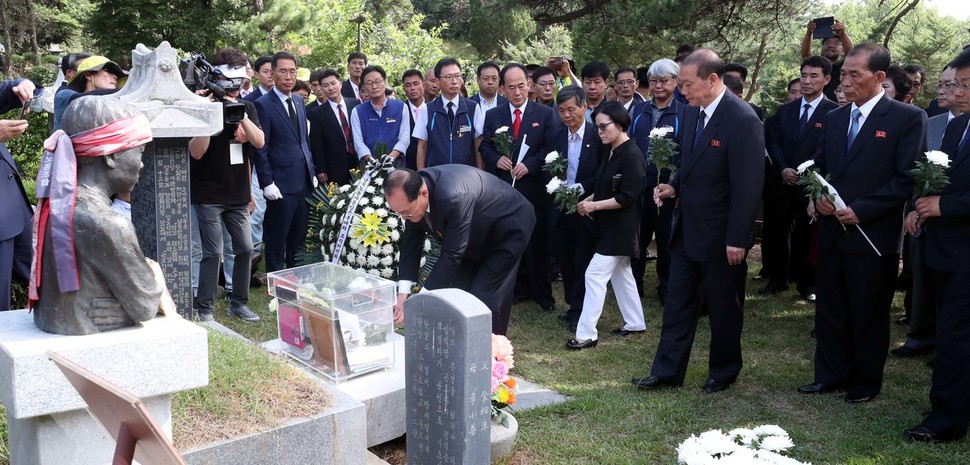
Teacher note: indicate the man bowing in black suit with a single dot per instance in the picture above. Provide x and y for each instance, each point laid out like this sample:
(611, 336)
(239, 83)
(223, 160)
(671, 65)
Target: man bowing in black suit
(868, 148)
(331, 140)
(791, 138)
(484, 226)
(718, 190)
(945, 220)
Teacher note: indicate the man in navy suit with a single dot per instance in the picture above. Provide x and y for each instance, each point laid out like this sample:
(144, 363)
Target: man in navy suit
(331, 140)
(528, 123)
(450, 129)
(718, 191)
(580, 144)
(487, 79)
(284, 166)
(868, 149)
(791, 138)
(945, 221)
(264, 75)
(15, 208)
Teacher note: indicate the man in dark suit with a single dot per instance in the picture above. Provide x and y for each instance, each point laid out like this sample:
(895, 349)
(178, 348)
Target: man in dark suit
(356, 62)
(487, 79)
(576, 235)
(945, 222)
(718, 190)
(662, 110)
(484, 226)
(315, 89)
(596, 78)
(413, 83)
(791, 137)
(284, 166)
(544, 83)
(625, 81)
(868, 148)
(264, 75)
(741, 72)
(450, 130)
(331, 141)
(15, 208)
(528, 123)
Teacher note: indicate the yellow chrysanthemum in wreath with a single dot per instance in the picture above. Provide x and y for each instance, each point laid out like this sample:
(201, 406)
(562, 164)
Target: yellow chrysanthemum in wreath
(371, 230)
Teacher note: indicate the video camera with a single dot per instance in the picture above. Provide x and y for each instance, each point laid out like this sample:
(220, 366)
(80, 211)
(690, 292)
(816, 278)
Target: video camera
(199, 74)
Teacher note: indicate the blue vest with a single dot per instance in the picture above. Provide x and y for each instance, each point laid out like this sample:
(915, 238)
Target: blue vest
(383, 129)
(451, 143)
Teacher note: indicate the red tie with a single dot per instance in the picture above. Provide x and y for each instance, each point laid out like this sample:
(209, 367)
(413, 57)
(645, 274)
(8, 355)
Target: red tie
(517, 123)
(346, 127)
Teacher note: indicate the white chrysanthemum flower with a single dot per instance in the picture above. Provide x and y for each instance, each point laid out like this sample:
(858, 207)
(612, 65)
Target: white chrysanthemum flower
(502, 130)
(552, 156)
(387, 249)
(427, 245)
(422, 262)
(345, 188)
(937, 157)
(340, 204)
(553, 184)
(777, 443)
(379, 181)
(661, 131)
(351, 257)
(361, 259)
(392, 222)
(387, 272)
(742, 435)
(369, 189)
(381, 212)
(363, 201)
(367, 210)
(773, 430)
(372, 260)
(804, 166)
(374, 272)
(333, 220)
(377, 200)
(387, 261)
(395, 236)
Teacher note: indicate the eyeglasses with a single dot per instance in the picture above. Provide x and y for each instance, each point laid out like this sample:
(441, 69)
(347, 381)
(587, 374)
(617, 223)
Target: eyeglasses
(285, 72)
(602, 127)
(450, 77)
(625, 82)
(653, 82)
(952, 85)
(546, 83)
(374, 83)
(408, 214)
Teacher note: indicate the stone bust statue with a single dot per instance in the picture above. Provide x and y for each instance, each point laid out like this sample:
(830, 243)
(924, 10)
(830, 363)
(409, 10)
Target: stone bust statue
(110, 284)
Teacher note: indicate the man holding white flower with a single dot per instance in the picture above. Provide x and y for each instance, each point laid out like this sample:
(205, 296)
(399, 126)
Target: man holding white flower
(868, 149)
(945, 222)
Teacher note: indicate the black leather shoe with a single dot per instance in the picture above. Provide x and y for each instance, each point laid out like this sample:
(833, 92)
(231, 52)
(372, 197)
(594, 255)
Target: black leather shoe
(625, 332)
(923, 434)
(651, 382)
(575, 344)
(858, 398)
(909, 352)
(818, 388)
(713, 385)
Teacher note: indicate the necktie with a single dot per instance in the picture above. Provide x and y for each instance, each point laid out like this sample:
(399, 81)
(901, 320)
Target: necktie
(451, 113)
(346, 128)
(963, 143)
(853, 129)
(700, 128)
(803, 121)
(517, 123)
(293, 117)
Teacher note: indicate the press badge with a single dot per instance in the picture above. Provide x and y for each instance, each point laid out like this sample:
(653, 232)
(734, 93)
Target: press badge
(235, 154)
(464, 128)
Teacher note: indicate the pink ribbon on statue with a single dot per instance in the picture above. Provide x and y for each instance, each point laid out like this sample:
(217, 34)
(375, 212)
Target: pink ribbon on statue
(57, 192)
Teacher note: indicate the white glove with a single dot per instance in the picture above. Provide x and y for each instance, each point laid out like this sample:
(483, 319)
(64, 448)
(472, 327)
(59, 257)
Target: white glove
(271, 192)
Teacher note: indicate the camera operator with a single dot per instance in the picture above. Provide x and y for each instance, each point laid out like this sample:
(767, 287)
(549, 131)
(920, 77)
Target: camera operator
(220, 188)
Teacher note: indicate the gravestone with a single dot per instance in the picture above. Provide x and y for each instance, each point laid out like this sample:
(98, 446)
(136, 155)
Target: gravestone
(448, 378)
(160, 201)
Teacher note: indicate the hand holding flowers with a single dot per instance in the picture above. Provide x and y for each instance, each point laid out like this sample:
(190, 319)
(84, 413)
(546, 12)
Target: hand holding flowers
(564, 196)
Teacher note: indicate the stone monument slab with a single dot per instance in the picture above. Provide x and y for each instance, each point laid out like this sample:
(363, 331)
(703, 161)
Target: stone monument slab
(448, 378)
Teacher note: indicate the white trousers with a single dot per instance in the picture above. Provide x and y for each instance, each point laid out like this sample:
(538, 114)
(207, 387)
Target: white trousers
(603, 269)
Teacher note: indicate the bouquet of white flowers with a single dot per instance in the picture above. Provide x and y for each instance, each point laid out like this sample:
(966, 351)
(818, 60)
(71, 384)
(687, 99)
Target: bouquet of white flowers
(763, 445)
(930, 175)
(564, 196)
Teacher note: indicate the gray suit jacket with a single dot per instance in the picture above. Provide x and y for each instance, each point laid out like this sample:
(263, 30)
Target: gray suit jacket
(935, 127)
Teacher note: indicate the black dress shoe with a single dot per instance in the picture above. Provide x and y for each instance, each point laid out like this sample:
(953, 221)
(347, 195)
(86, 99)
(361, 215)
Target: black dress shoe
(818, 388)
(858, 398)
(713, 385)
(910, 352)
(625, 332)
(575, 344)
(923, 434)
(651, 382)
